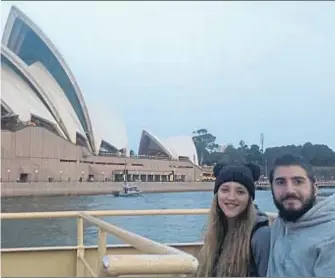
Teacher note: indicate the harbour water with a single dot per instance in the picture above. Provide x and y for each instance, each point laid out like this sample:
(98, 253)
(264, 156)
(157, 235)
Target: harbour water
(62, 232)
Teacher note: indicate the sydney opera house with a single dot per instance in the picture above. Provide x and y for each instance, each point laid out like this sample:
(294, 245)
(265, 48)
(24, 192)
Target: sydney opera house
(48, 133)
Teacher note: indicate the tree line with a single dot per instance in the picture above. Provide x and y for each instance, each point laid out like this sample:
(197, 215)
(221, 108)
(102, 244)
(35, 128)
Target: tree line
(210, 153)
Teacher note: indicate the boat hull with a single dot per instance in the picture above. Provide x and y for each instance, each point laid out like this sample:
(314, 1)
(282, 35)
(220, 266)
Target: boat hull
(122, 194)
(128, 194)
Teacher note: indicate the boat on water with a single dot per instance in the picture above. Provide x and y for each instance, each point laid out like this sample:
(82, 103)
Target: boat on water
(128, 191)
(139, 256)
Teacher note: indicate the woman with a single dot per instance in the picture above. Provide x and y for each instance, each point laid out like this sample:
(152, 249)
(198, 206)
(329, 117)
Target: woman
(237, 240)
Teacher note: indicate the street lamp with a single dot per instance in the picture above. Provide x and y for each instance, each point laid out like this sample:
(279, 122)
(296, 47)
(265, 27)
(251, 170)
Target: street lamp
(82, 175)
(60, 175)
(36, 177)
(174, 173)
(8, 174)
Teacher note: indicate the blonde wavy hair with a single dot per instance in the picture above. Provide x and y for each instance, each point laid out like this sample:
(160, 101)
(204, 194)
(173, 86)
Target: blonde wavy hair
(226, 249)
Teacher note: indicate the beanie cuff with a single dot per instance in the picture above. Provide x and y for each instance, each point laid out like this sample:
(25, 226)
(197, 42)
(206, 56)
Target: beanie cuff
(235, 177)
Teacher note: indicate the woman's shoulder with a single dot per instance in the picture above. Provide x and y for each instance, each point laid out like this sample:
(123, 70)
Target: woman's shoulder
(261, 233)
(260, 247)
(260, 238)
(261, 230)
(262, 219)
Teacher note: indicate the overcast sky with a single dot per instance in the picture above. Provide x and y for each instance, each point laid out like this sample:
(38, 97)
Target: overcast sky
(236, 68)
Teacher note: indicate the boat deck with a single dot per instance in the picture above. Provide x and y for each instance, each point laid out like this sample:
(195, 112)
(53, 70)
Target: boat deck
(138, 256)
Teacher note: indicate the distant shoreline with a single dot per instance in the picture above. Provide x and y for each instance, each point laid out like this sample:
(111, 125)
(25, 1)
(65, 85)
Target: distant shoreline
(101, 188)
(96, 188)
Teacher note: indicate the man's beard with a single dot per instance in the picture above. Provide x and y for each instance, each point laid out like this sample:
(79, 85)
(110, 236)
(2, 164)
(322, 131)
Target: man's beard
(293, 215)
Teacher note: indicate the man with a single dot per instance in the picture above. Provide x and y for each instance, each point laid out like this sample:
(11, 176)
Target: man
(303, 236)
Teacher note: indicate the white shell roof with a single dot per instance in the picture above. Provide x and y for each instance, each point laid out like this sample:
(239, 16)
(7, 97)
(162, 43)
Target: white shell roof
(107, 125)
(57, 109)
(175, 146)
(9, 29)
(59, 100)
(21, 98)
(182, 146)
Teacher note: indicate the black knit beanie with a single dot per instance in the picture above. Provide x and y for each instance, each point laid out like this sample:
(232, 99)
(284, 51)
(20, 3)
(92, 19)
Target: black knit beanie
(218, 167)
(245, 174)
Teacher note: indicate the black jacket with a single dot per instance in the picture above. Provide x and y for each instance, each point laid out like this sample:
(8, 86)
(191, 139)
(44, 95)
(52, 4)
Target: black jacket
(260, 246)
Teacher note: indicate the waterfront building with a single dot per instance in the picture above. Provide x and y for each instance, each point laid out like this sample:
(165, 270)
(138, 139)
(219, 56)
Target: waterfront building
(48, 132)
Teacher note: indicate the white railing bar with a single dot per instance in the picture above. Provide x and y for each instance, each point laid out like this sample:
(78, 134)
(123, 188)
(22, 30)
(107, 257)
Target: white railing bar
(141, 243)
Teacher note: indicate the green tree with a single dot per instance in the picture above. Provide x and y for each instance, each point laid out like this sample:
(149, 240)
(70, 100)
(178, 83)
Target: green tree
(318, 155)
(204, 143)
(254, 154)
(232, 155)
(243, 147)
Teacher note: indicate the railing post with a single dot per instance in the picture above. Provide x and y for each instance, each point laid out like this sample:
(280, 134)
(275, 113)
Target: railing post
(80, 247)
(101, 249)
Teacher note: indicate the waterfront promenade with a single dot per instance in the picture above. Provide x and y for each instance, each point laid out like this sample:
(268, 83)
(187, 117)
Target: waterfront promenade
(96, 188)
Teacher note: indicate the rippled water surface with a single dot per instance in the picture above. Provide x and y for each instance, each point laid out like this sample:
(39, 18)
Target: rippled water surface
(166, 229)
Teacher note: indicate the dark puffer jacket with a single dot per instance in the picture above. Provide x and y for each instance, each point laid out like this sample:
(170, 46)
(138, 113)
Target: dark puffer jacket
(260, 246)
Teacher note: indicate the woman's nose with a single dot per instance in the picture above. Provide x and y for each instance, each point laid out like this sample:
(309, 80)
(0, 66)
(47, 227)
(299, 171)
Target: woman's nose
(231, 196)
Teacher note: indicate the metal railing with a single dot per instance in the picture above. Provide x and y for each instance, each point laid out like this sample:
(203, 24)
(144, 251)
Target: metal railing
(157, 258)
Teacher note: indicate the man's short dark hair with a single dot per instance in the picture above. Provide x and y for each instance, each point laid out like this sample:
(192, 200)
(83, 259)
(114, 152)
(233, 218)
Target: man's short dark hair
(293, 160)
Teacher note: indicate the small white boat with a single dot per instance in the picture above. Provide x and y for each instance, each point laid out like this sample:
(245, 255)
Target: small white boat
(128, 191)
